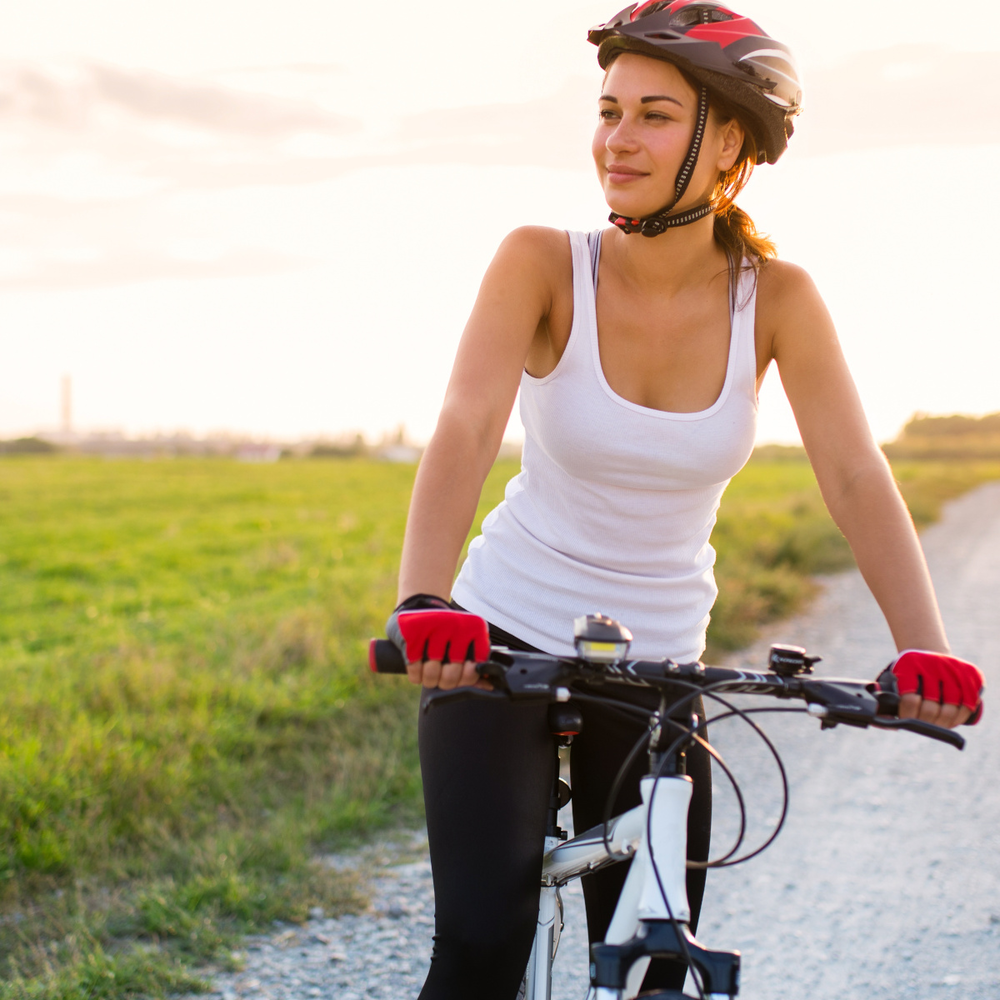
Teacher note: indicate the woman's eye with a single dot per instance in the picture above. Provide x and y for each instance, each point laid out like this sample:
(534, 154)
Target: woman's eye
(606, 114)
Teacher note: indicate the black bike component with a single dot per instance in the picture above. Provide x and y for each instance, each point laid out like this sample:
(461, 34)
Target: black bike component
(667, 743)
(530, 676)
(887, 693)
(610, 963)
(565, 722)
(790, 660)
(537, 676)
(384, 657)
(668, 995)
(845, 701)
(927, 729)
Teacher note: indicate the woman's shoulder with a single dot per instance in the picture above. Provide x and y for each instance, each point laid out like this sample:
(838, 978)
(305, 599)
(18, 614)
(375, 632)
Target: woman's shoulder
(791, 313)
(776, 277)
(537, 243)
(784, 291)
(536, 255)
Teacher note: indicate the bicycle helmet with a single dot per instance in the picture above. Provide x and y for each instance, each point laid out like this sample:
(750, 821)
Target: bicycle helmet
(727, 54)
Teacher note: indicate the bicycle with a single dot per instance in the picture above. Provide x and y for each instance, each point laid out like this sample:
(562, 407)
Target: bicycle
(651, 919)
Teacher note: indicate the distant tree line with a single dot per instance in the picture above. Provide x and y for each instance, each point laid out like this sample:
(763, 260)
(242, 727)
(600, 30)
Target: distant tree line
(27, 446)
(956, 436)
(923, 426)
(340, 449)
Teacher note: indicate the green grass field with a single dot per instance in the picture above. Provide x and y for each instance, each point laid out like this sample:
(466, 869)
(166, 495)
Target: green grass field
(187, 721)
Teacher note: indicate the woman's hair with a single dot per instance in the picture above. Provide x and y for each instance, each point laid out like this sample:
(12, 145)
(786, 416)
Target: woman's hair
(734, 229)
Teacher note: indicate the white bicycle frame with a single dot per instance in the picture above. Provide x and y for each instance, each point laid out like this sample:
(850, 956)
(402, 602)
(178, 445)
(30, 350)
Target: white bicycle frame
(641, 898)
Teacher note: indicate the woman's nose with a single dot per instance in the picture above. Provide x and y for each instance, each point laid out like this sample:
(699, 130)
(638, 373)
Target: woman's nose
(621, 138)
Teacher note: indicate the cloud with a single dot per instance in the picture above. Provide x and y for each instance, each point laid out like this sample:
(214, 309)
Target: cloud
(902, 96)
(105, 171)
(80, 97)
(207, 106)
(193, 133)
(124, 268)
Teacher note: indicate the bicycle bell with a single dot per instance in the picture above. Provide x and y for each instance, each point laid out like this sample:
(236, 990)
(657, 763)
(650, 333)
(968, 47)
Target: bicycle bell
(599, 639)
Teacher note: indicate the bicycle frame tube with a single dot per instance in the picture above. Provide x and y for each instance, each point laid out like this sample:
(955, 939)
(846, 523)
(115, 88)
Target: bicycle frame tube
(587, 852)
(538, 979)
(641, 897)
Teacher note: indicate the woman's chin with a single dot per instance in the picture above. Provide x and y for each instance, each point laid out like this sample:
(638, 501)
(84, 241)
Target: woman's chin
(630, 211)
(630, 208)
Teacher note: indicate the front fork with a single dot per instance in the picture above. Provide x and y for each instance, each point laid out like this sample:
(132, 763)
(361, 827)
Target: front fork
(653, 913)
(612, 965)
(652, 916)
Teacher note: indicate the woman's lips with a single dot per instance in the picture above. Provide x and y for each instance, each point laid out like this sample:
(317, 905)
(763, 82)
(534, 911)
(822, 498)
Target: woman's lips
(620, 174)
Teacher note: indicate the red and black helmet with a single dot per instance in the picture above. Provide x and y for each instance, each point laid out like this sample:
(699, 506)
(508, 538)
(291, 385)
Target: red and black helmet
(723, 50)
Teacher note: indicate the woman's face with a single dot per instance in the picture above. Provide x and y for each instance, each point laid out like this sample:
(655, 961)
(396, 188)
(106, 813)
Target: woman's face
(647, 115)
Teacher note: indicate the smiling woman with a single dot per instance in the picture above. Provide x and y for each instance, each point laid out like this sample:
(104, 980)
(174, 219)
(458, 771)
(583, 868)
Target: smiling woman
(638, 359)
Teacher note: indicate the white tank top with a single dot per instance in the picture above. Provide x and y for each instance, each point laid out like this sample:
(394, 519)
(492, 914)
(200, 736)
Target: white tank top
(615, 502)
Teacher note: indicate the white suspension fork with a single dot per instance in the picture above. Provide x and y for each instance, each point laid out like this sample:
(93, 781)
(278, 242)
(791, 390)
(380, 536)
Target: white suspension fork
(642, 897)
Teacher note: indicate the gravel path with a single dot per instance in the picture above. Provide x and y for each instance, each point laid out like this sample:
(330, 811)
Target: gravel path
(883, 884)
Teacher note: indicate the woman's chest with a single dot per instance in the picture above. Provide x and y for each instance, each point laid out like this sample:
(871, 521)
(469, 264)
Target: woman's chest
(669, 354)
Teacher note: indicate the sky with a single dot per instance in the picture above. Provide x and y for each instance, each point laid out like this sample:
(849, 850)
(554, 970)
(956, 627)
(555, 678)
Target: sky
(273, 218)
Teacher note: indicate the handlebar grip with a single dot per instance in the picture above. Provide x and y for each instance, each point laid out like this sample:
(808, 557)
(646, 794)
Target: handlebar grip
(385, 658)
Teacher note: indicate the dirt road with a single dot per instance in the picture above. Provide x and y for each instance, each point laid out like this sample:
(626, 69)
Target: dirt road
(885, 881)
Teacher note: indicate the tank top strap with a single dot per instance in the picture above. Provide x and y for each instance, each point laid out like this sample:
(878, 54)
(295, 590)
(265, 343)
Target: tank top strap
(594, 245)
(743, 347)
(584, 328)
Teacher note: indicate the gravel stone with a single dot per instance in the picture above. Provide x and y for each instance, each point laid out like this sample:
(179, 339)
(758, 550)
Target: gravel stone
(883, 883)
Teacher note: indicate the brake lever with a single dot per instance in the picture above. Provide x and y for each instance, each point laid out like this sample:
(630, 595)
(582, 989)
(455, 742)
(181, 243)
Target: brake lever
(921, 728)
(887, 694)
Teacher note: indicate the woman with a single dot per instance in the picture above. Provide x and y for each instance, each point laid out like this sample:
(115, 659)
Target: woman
(639, 361)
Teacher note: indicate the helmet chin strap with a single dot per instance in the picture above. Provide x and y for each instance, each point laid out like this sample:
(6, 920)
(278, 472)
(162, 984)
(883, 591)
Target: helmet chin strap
(660, 222)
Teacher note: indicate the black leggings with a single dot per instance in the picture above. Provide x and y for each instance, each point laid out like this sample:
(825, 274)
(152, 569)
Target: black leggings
(488, 769)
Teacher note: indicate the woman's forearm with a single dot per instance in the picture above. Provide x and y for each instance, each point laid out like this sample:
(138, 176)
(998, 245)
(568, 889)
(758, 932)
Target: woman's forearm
(874, 519)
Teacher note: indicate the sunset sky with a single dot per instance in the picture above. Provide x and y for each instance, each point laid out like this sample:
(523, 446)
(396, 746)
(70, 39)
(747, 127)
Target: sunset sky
(273, 217)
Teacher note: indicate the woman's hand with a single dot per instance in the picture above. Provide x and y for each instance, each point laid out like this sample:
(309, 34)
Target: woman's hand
(432, 636)
(938, 688)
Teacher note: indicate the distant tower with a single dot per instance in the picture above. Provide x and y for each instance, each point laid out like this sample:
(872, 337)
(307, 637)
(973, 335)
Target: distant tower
(67, 405)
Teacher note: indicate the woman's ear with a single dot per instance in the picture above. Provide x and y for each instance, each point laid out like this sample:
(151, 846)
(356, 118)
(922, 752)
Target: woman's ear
(732, 142)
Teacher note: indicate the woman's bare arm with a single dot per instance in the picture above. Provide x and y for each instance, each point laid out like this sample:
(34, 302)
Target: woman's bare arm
(510, 312)
(853, 475)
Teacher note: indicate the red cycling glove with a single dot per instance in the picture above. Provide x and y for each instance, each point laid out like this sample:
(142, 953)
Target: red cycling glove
(941, 678)
(428, 628)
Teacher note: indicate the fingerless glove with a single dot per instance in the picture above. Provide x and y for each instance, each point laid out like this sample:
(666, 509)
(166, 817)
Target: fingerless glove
(941, 678)
(425, 627)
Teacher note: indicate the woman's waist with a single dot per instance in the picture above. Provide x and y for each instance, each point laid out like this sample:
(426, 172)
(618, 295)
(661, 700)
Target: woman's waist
(642, 542)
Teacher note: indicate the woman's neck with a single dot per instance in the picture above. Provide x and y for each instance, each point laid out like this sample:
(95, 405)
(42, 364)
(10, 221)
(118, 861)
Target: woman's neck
(668, 263)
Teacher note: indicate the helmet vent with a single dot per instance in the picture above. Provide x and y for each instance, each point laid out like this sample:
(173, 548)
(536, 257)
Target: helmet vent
(653, 7)
(700, 13)
(697, 13)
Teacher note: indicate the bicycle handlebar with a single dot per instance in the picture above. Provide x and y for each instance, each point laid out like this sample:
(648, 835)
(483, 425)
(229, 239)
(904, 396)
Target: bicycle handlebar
(541, 677)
